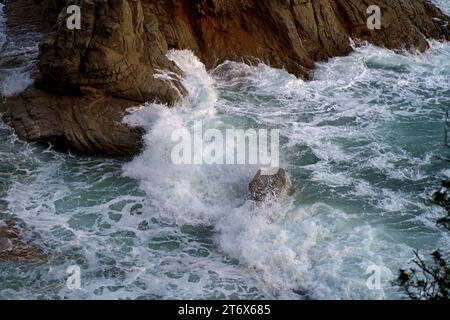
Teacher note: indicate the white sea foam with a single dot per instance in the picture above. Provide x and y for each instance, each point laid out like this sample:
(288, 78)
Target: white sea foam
(16, 82)
(183, 236)
(202, 94)
(309, 249)
(360, 142)
(22, 52)
(443, 4)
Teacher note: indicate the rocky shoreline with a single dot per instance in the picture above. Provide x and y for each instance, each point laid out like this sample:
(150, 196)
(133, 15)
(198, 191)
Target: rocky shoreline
(15, 244)
(88, 78)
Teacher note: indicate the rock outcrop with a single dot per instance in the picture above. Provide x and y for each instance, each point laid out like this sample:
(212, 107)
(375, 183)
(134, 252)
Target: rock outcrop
(89, 124)
(115, 53)
(13, 246)
(273, 187)
(115, 59)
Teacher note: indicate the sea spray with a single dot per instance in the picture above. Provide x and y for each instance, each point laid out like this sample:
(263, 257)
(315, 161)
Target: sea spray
(255, 236)
(21, 48)
(362, 142)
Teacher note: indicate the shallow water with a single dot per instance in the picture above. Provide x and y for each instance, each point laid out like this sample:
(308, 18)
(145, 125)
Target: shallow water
(363, 143)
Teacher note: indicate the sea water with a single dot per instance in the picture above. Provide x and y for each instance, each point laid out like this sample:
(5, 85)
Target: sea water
(363, 143)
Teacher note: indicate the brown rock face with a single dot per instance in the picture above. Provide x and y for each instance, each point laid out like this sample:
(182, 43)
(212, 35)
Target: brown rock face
(89, 77)
(264, 188)
(14, 248)
(291, 34)
(90, 124)
(122, 46)
(115, 53)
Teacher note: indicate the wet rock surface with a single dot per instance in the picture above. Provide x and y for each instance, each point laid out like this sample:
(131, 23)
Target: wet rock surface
(114, 61)
(267, 187)
(14, 246)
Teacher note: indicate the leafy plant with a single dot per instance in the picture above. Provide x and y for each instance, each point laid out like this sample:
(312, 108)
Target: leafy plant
(442, 198)
(429, 281)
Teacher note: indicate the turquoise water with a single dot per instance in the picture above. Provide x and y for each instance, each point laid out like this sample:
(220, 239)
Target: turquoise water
(362, 142)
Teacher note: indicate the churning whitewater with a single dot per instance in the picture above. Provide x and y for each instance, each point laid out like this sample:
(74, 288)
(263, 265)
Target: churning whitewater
(362, 142)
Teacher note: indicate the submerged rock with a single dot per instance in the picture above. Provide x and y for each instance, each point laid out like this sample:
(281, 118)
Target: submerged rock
(120, 51)
(14, 247)
(268, 187)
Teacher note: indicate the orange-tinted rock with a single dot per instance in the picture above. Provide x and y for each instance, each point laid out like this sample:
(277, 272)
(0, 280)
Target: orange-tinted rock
(122, 44)
(13, 246)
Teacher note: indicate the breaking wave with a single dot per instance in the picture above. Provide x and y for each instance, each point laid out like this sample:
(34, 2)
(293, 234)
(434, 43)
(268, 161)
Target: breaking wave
(362, 143)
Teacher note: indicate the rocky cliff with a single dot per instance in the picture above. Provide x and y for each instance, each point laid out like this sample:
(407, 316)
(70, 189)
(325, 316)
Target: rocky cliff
(89, 77)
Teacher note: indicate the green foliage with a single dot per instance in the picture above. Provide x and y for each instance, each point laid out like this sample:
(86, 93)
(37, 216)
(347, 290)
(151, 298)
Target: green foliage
(429, 281)
(442, 198)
